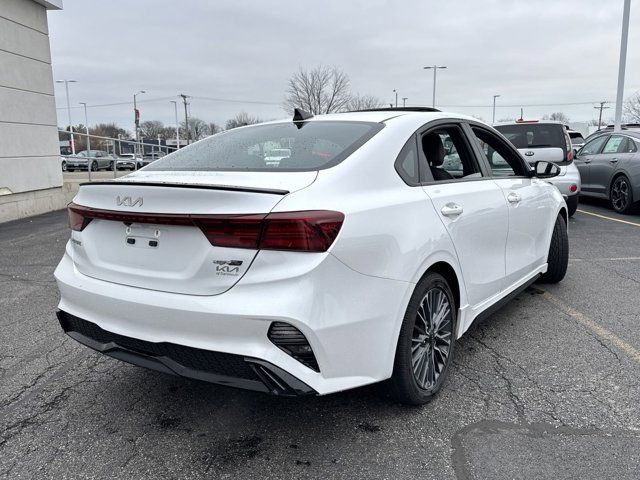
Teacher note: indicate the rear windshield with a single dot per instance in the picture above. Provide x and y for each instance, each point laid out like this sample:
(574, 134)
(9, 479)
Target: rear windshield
(576, 137)
(273, 147)
(535, 135)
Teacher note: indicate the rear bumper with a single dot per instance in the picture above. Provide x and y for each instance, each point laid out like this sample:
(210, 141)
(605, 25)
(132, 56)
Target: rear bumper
(214, 367)
(350, 320)
(566, 181)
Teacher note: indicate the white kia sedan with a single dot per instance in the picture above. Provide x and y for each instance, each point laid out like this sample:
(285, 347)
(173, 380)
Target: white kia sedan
(360, 257)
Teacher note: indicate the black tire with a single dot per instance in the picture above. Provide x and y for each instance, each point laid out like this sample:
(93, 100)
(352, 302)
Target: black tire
(621, 195)
(94, 166)
(110, 165)
(64, 166)
(403, 384)
(572, 204)
(558, 257)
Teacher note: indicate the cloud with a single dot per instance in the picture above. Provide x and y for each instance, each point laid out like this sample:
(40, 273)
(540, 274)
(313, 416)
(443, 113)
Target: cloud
(529, 52)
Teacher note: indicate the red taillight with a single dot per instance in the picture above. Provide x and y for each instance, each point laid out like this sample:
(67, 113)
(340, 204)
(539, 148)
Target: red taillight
(573, 188)
(305, 231)
(77, 221)
(237, 231)
(311, 231)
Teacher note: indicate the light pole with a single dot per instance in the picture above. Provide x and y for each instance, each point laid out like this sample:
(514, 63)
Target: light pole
(435, 69)
(623, 62)
(136, 117)
(494, 110)
(66, 86)
(396, 92)
(175, 106)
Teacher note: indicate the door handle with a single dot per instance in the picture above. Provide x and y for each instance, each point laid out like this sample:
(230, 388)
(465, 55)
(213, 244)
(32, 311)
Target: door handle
(613, 160)
(586, 161)
(513, 197)
(451, 210)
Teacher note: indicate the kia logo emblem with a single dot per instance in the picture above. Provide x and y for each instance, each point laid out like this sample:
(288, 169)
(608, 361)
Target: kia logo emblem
(529, 153)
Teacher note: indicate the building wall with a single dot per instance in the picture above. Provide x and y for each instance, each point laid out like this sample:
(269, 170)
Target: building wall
(30, 176)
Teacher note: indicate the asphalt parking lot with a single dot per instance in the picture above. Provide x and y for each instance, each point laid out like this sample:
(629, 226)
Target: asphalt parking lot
(548, 387)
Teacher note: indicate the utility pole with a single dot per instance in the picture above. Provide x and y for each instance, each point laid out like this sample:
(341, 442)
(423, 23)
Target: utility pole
(136, 117)
(404, 101)
(66, 87)
(601, 107)
(493, 121)
(623, 62)
(435, 69)
(396, 92)
(175, 106)
(186, 116)
(88, 142)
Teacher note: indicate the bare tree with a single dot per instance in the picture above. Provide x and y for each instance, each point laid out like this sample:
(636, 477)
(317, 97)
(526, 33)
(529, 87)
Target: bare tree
(152, 128)
(632, 109)
(557, 116)
(197, 128)
(240, 120)
(323, 89)
(213, 128)
(362, 102)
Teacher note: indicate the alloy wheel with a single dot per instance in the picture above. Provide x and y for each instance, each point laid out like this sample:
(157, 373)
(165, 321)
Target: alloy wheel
(432, 336)
(620, 194)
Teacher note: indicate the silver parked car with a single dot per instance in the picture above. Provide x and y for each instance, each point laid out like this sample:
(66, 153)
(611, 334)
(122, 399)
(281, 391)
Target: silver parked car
(96, 159)
(549, 141)
(609, 164)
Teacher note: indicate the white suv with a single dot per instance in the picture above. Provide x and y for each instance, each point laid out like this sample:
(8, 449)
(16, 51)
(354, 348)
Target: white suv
(360, 257)
(547, 140)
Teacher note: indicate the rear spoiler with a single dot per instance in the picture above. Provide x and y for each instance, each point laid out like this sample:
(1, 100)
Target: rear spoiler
(230, 188)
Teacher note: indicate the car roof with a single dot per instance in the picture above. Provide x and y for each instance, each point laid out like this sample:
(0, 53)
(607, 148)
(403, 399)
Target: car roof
(384, 115)
(530, 122)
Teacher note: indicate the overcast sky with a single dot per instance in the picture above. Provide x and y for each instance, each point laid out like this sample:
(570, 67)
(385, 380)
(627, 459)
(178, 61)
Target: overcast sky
(243, 52)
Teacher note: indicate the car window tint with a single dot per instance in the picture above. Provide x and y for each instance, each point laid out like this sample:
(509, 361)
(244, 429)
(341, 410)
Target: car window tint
(534, 135)
(407, 163)
(447, 155)
(593, 146)
(310, 146)
(503, 161)
(627, 146)
(613, 144)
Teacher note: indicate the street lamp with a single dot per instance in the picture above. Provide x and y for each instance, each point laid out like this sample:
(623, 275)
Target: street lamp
(66, 86)
(395, 91)
(435, 69)
(494, 109)
(622, 64)
(404, 101)
(175, 106)
(136, 116)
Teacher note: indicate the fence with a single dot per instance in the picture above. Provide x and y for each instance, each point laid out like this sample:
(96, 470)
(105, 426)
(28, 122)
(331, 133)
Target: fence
(114, 151)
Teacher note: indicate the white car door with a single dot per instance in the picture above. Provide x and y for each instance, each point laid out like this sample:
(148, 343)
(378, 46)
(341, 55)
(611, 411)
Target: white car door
(470, 205)
(529, 202)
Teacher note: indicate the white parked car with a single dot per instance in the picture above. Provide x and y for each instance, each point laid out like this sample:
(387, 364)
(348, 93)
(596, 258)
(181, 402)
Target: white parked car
(359, 258)
(547, 140)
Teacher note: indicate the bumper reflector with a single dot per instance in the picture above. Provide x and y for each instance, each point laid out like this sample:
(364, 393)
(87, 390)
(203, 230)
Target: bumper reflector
(293, 342)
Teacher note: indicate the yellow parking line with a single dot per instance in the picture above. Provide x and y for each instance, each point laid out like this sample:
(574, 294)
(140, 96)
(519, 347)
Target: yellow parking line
(600, 331)
(609, 218)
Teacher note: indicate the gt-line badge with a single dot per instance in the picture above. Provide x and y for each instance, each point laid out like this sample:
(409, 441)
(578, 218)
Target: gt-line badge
(228, 267)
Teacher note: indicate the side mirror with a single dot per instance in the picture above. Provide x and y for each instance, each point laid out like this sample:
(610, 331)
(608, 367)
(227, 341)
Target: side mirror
(544, 169)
